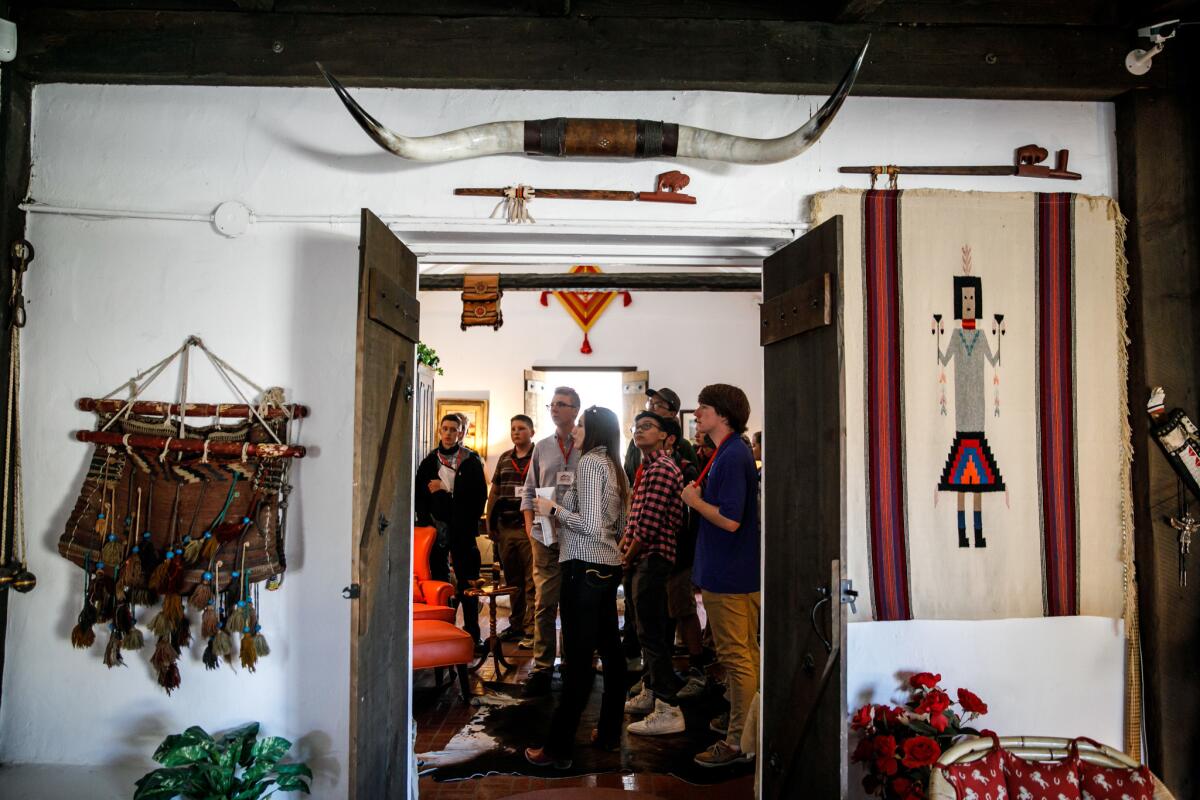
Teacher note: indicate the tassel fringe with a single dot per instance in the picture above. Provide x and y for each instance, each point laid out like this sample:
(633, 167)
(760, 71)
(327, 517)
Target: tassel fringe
(209, 622)
(210, 658)
(200, 597)
(260, 646)
(112, 651)
(248, 656)
(133, 640)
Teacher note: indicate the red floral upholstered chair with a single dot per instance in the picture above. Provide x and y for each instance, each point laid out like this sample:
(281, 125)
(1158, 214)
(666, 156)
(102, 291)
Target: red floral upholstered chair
(431, 599)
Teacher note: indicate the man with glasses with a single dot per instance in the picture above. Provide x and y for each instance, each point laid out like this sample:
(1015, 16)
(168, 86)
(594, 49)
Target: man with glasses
(662, 403)
(648, 551)
(552, 465)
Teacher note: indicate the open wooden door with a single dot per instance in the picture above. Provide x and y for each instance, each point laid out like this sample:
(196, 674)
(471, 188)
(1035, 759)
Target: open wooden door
(537, 397)
(633, 398)
(388, 318)
(803, 750)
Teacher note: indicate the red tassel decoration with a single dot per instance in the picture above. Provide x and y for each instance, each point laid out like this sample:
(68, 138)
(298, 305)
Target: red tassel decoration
(628, 301)
(169, 678)
(545, 299)
(587, 346)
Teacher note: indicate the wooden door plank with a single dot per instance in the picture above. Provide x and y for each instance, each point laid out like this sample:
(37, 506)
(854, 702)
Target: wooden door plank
(382, 524)
(805, 540)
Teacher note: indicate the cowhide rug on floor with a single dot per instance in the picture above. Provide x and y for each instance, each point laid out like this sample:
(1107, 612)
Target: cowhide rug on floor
(493, 742)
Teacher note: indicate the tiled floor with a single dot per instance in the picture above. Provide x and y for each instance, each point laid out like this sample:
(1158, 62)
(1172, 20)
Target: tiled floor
(436, 725)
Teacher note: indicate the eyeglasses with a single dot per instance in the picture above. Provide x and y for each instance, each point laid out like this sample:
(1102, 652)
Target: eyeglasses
(560, 404)
(646, 426)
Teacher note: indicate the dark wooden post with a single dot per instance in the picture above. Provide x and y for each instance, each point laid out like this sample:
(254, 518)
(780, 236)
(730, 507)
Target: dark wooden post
(15, 93)
(1157, 161)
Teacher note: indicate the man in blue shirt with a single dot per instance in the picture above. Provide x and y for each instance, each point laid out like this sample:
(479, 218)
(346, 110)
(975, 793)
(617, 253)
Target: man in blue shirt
(727, 566)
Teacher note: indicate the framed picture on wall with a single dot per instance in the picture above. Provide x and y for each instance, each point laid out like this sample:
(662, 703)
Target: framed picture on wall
(687, 423)
(476, 412)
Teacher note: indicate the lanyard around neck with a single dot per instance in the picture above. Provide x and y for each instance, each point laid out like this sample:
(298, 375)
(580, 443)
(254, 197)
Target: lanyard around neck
(566, 454)
(528, 463)
(711, 459)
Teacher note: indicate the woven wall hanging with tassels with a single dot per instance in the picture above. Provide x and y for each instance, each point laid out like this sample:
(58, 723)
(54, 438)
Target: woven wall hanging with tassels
(184, 516)
(586, 307)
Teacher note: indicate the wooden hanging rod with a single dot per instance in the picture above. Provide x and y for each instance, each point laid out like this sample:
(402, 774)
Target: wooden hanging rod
(157, 409)
(1026, 164)
(608, 281)
(143, 442)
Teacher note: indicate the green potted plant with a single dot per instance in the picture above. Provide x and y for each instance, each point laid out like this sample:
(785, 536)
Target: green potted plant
(235, 765)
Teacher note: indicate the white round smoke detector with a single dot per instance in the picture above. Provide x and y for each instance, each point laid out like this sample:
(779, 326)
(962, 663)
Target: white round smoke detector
(231, 219)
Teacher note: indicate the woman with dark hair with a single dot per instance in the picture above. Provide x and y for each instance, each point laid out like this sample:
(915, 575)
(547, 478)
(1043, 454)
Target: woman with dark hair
(590, 521)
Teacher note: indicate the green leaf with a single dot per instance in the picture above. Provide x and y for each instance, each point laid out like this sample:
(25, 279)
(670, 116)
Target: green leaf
(185, 748)
(270, 750)
(252, 791)
(292, 783)
(294, 769)
(163, 784)
(922, 727)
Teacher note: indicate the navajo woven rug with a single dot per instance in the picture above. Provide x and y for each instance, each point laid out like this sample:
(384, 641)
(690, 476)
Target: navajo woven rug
(987, 445)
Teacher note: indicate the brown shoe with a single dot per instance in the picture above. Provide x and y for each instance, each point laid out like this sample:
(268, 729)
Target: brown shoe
(721, 754)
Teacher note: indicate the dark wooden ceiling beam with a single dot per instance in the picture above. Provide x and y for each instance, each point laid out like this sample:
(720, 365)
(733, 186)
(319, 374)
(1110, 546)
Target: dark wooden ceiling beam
(274, 49)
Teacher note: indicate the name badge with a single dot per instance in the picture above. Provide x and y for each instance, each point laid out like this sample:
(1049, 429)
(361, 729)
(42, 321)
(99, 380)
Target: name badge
(519, 492)
(565, 479)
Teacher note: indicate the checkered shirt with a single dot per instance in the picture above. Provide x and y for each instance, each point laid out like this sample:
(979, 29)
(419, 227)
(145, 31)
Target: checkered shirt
(656, 514)
(591, 516)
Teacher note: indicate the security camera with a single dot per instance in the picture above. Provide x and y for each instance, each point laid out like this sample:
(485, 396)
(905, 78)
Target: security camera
(1138, 61)
(8, 40)
(1160, 32)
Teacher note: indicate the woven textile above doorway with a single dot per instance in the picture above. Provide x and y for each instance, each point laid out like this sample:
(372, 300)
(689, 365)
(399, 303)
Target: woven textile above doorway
(987, 448)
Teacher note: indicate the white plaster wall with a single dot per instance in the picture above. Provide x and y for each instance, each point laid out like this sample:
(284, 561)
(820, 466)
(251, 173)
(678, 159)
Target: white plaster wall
(109, 297)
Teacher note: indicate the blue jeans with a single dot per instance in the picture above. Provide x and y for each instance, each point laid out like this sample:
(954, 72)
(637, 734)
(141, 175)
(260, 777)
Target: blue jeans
(588, 604)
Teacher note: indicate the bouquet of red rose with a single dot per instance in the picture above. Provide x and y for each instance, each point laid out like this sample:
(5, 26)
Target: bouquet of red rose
(898, 745)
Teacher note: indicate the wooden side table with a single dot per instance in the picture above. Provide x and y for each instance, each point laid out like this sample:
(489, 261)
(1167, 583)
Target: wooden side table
(493, 646)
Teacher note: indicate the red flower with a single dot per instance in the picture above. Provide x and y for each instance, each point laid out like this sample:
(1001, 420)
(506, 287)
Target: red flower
(920, 751)
(938, 721)
(887, 766)
(934, 702)
(970, 702)
(863, 751)
(924, 680)
(901, 785)
(893, 716)
(861, 718)
(885, 746)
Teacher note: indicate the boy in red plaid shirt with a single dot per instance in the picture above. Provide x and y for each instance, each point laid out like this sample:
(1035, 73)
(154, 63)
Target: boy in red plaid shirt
(648, 546)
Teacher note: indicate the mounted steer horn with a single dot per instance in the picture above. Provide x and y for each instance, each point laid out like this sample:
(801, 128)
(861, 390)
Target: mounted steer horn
(622, 138)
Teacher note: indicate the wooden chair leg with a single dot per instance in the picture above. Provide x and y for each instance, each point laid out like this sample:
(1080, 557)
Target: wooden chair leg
(463, 685)
(437, 677)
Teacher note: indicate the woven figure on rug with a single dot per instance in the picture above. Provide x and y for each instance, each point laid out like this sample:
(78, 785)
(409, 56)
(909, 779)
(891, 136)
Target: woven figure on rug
(970, 468)
(177, 516)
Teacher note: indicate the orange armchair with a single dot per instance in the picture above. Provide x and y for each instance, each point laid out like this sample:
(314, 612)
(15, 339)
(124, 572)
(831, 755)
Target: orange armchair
(431, 599)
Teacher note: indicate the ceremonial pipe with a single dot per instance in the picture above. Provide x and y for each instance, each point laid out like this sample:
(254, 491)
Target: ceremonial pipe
(607, 281)
(557, 194)
(154, 408)
(264, 449)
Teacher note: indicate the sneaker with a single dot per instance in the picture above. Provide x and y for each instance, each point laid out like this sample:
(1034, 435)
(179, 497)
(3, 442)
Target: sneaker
(696, 685)
(664, 719)
(526, 643)
(721, 754)
(720, 724)
(537, 684)
(642, 704)
(540, 758)
(635, 690)
(511, 635)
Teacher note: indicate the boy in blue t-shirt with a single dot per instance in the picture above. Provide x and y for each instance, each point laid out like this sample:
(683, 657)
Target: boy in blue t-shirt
(727, 568)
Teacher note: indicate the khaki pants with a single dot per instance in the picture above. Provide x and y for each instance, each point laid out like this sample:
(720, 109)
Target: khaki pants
(512, 546)
(547, 580)
(734, 622)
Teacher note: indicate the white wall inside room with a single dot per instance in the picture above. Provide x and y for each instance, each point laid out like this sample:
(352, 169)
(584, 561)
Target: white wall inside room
(107, 297)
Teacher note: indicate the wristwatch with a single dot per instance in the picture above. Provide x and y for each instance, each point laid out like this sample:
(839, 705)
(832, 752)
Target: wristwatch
(554, 511)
